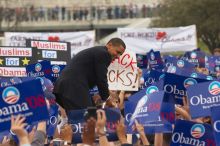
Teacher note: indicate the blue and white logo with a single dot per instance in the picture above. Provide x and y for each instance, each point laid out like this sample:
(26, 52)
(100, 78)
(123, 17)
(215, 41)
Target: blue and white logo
(197, 130)
(38, 67)
(214, 88)
(152, 56)
(180, 63)
(172, 69)
(152, 89)
(209, 78)
(189, 82)
(194, 75)
(56, 69)
(11, 95)
(193, 55)
(42, 83)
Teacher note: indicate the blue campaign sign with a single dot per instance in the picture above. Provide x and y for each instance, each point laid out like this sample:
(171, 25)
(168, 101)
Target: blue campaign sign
(192, 134)
(141, 61)
(7, 81)
(40, 69)
(155, 87)
(161, 126)
(27, 99)
(216, 123)
(202, 97)
(76, 119)
(53, 120)
(176, 85)
(155, 61)
(56, 71)
(196, 57)
(148, 108)
(213, 63)
(151, 77)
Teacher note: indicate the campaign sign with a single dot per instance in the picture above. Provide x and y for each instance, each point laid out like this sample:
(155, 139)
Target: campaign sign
(216, 123)
(155, 87)
(151, 76)
(56, 52)
(196, 57)
(176, 85)
(163, 125)
(76, 119)
(7, 81)
(187, 133)
(148, 108)
(16, 100)
(56, 71)
(40, 69)
(202, 97)
(141, 61)
(213, 63)
(155, 61)
(53, 119)
(14, 59)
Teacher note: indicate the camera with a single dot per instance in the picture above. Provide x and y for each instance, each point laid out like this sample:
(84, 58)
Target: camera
(90, 112)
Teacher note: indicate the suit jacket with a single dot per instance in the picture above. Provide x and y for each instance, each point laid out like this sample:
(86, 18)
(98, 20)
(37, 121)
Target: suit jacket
(87, 69)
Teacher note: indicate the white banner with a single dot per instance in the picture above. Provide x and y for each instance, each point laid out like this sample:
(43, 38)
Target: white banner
(142, 40)
(79, 40)
(122, 73)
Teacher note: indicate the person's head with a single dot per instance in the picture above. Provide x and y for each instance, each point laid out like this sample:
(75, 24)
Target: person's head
(216, 51)
(116, 47)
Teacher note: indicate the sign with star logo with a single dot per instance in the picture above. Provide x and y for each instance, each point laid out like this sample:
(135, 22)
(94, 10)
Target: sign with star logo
(54, 51)
(14, 59)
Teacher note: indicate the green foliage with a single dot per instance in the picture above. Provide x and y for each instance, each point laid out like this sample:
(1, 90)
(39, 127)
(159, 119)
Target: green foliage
(205, 14)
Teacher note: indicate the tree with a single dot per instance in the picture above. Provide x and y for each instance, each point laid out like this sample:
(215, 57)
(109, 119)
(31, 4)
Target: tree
(204, 13)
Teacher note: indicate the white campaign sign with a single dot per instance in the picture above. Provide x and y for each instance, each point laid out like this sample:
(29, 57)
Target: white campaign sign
(142, 40)
(122, 73)
(79, 40)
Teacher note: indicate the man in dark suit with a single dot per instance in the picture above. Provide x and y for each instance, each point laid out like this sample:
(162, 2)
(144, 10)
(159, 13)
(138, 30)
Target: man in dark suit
(87, 69)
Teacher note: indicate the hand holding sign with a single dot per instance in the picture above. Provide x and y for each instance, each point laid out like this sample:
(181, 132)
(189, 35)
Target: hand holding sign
(18, 128)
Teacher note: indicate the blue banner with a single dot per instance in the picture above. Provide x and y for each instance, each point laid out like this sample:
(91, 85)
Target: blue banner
(155, 61)
(187, 133)
(176, 85)
(40, 69)
(141, 61)
(163, 125)
(148, 108)
(202, 97)
(216, 123)
(76, 119)
(27, 99)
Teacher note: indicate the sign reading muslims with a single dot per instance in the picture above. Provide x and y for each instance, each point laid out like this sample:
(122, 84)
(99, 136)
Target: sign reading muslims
(56, 52)
(14, 59)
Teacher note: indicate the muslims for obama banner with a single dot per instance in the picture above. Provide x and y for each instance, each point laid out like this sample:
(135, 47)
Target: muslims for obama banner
(27, 99)
(13, 60)
(56, 52)
(122, 73)
(187, 133)
(216, 123)
(142, 40)
(78, 40)
(76, 119)
(202, 97)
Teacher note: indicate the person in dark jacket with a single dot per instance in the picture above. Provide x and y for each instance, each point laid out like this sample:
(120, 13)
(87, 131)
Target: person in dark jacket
(87, 69)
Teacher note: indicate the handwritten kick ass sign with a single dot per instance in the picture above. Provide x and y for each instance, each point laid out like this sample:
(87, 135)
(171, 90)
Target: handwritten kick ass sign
(122, 73)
